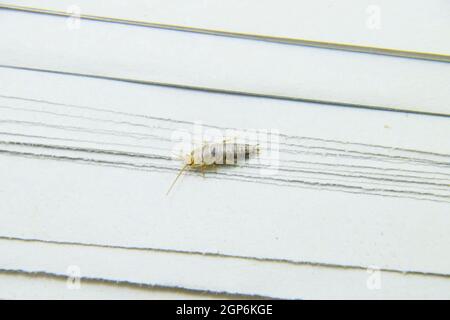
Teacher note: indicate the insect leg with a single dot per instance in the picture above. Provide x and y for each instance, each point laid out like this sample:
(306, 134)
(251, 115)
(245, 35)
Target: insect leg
(202, 169)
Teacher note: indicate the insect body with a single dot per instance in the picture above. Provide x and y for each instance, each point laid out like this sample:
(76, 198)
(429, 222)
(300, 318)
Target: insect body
(213, 154)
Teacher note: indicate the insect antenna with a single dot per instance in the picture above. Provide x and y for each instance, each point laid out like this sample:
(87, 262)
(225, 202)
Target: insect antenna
(178, 175)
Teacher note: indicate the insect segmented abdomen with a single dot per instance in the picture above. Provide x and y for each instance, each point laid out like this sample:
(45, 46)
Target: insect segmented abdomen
(223, 153)
(235, 153)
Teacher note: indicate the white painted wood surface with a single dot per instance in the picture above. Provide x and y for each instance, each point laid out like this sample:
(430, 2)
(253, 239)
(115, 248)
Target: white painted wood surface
(87, 162)
(401, 24)
(224, 64)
